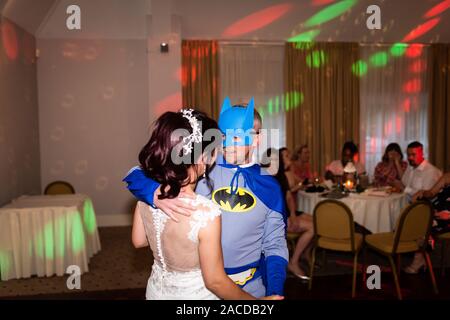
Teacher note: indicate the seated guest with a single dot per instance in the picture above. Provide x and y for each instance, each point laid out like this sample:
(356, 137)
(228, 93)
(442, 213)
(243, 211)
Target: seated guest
(420, 175)
(297, 222)
(440, 193)
(301, 166)
(295, 183)
(350, 153)
(392, 168)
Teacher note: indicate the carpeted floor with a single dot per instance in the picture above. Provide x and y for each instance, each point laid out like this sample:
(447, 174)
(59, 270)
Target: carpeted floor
(119, 271)
(117, 266)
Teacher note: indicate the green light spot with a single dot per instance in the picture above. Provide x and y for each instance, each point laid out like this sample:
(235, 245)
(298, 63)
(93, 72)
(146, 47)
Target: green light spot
(277, 104)
(398, 49)
(307, 36)
(315, 59)
(39, 245)
(89, 217)
(379, 59)
(270, 106)
(48, 241)
(298, 99)
(293, 99)
(60, 233)
(5, 262)
(304, 45)
(330, 12)
(77, 233)
(359, 68)
(287, 102)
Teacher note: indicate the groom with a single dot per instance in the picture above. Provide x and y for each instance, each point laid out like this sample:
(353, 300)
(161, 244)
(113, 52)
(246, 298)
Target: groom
(253, 213)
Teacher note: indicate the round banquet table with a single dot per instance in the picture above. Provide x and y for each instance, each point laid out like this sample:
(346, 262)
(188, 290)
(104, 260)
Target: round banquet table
(375, 213)
(43, 235)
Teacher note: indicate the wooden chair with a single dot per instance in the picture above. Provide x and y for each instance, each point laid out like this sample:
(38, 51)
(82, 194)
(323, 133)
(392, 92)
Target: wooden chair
(411, 235)
(59, 187)
(445, 238)
(334, 230)
(292, 238)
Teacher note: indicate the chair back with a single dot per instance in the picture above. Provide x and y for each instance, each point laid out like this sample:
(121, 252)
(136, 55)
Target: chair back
(414, 223)
(59, 187)
(333, 219)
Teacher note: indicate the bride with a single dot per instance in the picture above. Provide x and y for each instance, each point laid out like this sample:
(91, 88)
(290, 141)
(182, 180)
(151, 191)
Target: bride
(188, 262)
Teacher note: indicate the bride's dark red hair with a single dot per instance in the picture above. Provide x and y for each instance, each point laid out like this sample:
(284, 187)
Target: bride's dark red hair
(155, 157)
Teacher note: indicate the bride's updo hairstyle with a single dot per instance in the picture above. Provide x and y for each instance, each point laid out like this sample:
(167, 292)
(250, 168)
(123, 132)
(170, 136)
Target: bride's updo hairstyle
(160, 157)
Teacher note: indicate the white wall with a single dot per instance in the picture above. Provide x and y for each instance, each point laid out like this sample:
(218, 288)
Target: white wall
(93, 115)
(19, 134)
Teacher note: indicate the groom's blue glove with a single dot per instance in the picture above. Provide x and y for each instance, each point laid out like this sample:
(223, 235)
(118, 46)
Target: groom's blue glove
(141, 186)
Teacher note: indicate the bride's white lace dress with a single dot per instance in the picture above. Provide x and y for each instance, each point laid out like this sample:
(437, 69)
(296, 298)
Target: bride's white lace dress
(176, 273)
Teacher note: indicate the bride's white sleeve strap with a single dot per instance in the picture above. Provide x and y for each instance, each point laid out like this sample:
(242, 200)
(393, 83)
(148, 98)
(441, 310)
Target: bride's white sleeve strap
(201, 218)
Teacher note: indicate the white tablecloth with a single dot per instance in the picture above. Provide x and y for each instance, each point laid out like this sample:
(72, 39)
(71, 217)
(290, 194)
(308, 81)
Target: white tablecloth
(376, 214)
(43, 235)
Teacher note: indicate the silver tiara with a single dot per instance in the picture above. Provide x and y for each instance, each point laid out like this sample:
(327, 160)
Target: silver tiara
(196, 136)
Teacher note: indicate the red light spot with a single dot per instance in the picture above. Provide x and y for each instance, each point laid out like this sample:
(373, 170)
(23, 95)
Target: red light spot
(169, 103)
(193, 74)
(317, 3)
(407, 105)
(373, 144)
(437, 9)
(412, 86)
(257, 20)
(414, 50)
(388, 128)
(398, 124)
(421, 29)
(418, 66)
(9, 37)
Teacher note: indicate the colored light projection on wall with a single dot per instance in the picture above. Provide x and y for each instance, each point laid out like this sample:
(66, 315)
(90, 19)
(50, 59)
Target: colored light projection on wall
(316, 59)
(281, 103)
(257, 20)
(413, 50)
(9, 40)
(331, 12)
(437, 9)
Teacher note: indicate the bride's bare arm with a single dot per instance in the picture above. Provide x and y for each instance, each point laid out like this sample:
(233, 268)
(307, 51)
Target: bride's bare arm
(211, 263)
(138, 236)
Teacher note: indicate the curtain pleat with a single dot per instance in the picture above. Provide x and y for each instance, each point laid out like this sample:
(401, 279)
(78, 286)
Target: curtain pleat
(323, 98)
(199, 76)
(439, 106)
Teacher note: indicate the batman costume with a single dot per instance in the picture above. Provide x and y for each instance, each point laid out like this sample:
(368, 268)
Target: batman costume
(253, 214)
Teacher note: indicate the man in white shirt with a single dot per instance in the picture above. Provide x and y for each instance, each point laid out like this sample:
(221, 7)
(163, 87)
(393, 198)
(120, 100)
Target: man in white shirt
(420, 174)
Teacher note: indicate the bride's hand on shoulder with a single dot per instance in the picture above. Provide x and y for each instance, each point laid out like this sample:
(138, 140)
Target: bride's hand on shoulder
(176, 206)
(274, 297)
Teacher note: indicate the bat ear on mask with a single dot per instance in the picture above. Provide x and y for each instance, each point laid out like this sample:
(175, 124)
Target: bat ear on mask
(250, 110)
(225, 105)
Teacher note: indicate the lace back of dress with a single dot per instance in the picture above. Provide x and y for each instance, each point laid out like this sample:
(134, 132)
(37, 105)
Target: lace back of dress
(175, 248)
(159, 220)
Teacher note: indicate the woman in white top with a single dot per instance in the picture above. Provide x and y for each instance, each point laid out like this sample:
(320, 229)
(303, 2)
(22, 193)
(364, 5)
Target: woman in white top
(188, 262)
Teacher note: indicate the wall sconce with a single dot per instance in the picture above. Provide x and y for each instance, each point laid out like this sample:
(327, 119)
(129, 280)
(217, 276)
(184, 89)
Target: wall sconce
(164, 46)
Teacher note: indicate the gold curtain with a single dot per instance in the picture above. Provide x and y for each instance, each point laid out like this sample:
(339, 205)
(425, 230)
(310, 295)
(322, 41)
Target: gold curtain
(323, 99)
(199, 76)
(439, 106)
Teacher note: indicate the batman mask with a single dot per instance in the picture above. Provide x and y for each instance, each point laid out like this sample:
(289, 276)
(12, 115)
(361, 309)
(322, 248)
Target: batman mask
(237, 122)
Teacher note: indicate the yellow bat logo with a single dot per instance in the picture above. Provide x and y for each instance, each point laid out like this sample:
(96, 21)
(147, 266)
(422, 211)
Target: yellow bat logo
(241, 201)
